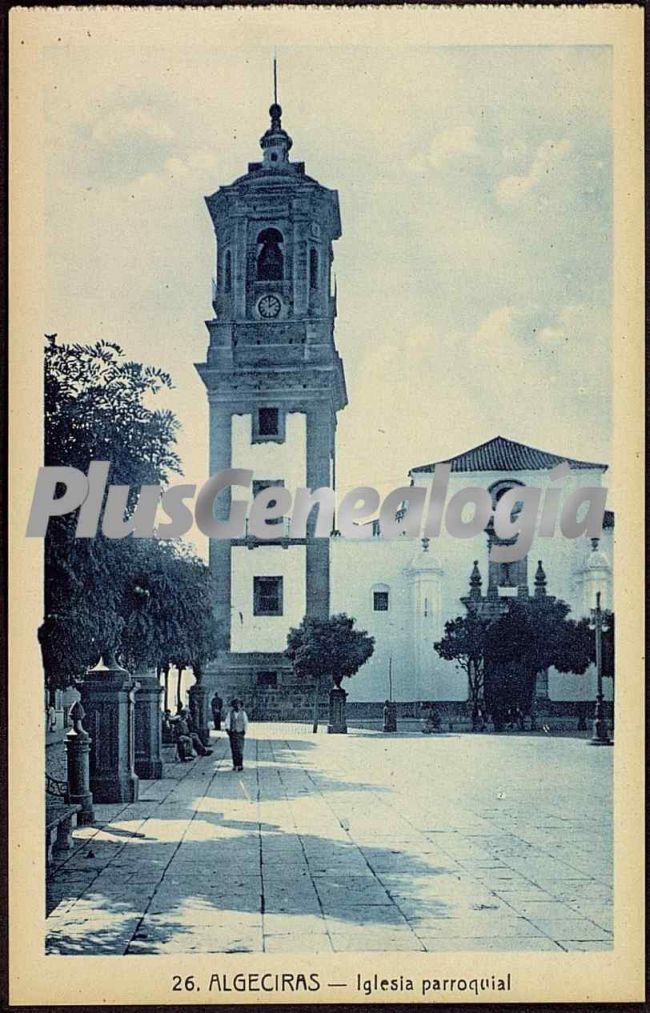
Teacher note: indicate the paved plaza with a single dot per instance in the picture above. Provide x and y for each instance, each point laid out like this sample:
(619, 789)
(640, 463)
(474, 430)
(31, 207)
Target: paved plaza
(340, 843)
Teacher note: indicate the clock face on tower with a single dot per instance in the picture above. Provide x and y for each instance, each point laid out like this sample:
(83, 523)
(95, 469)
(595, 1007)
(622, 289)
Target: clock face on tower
(269, 306)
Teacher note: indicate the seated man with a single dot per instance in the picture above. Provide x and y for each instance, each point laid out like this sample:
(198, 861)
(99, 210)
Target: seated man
(193, 734)
(181, 732)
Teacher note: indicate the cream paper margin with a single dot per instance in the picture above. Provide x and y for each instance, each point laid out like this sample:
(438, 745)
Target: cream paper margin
(615, 976)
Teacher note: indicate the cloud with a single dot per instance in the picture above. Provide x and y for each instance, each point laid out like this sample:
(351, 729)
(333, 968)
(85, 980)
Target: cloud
(548, 156)
(124, 123)
(433, 273)
(575, 324)
(457, 140)
(196, 169)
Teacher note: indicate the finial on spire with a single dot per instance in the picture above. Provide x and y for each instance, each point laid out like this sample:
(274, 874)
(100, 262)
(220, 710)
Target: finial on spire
(540, 581)
(475, 582)
(276, 142)
(275, 112)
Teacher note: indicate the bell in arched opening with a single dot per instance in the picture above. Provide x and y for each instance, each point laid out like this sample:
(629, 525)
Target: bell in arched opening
(270, 259)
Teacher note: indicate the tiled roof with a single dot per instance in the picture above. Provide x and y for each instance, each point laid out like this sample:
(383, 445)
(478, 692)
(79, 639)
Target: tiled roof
(500, 454)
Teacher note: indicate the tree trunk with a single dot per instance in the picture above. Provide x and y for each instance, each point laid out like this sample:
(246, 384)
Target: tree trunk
(166, 678)
(179, 701)
(472, 696)
(315, 712)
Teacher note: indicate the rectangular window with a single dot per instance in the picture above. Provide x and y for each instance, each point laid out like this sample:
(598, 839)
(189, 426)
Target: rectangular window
(269, 423)
(268, 483)
(380, 601)
(267, 679)
(267, 596)
(512, 574)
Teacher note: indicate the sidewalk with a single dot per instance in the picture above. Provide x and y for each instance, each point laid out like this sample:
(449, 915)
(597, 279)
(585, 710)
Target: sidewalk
(357, 842)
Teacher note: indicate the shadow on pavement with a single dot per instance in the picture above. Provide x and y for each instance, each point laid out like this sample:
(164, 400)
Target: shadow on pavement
(192, 876)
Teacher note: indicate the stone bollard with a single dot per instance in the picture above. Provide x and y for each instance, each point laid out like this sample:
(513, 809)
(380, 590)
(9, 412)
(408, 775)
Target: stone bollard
(337, 724)
(77, 747)
(148, 726)
(390, 716)
(107, 694)
(198, 695)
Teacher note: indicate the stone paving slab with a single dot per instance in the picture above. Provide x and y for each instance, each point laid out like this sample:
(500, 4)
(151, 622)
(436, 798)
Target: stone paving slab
(331, 843)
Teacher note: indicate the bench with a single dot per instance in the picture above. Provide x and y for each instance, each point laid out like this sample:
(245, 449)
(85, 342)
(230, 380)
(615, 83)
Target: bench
(60, 817)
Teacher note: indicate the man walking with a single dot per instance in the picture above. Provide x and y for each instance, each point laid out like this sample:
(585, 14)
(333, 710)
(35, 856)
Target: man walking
(236, 724)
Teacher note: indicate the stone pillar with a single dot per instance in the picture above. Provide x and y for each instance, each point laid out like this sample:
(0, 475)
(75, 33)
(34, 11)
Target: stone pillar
(199, 698)
(319, 442)
(541, 685)
(390, 716)
(77, 747)
(107, 695)
(239, 266)
(337, 724)
(425, 575)
(220, 548)
(148, 727)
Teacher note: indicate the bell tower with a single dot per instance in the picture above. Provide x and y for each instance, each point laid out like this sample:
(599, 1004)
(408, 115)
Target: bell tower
(275, 383)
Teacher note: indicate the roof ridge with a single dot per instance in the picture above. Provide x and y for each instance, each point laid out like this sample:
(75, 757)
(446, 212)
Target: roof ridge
(501, 453)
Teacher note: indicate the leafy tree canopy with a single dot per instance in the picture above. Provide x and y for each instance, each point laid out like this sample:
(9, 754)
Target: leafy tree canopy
(464, 642)
(98, 407)
(150, 600)
(537, 634)
(502, 657)
(328, 648)
(167, 604)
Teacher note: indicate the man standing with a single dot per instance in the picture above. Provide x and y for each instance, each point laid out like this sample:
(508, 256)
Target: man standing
(236, 724)
(217, 706)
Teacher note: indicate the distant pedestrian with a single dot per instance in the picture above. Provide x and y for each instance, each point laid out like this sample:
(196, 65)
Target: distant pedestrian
(236, 725)
(51, 718)
(217, 710)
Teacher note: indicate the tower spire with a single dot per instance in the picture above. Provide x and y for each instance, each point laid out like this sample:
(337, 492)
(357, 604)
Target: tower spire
(276, 142)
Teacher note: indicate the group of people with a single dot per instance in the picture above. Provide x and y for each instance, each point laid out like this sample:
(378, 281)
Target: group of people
(188, 741)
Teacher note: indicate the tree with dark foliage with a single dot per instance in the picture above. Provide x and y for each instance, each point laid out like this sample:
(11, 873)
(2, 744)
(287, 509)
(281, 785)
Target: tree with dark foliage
(533, 634)
(323, 651)
(148, 600)
(464, 642)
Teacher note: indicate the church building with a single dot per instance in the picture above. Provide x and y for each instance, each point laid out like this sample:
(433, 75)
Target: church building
(275, 384)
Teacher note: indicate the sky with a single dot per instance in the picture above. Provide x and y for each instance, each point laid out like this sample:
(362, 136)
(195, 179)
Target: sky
(473, 273)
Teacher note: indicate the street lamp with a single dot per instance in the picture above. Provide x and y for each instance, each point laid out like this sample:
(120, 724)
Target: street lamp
(600, 736)
(390, 709)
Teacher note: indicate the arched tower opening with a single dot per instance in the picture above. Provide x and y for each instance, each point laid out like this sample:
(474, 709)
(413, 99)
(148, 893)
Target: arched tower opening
(270, 258)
